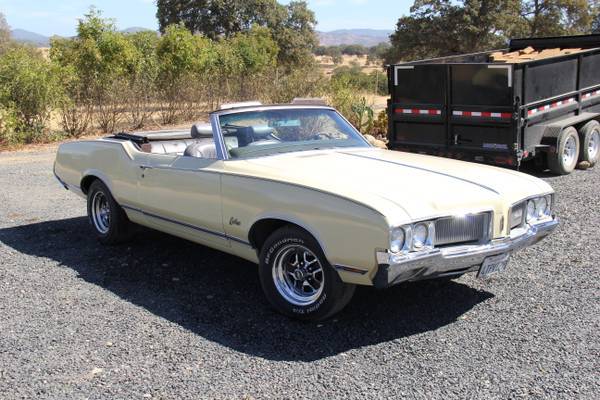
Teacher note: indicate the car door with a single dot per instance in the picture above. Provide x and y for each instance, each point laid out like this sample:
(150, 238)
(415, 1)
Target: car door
(182, 196)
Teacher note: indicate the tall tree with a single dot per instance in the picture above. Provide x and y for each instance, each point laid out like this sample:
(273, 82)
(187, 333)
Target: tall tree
(558, 17)
(292, 25)
(437, 28)
(4, 33)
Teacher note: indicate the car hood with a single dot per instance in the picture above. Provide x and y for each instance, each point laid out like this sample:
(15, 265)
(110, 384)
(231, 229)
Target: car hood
(401, 186)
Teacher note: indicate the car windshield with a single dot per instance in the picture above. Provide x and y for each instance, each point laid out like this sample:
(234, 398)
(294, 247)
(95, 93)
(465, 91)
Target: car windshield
(265, 132)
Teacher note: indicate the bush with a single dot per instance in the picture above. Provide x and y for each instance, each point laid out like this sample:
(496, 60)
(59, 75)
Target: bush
(74, 106)
(28, 93)
(10, 126)
(375, 82)
(302, 82)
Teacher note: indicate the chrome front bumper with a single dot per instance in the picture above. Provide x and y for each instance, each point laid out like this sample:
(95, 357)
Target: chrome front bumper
(452, 260)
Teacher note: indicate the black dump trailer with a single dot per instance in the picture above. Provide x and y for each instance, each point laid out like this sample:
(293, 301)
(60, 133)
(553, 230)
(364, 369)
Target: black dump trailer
(469, 108)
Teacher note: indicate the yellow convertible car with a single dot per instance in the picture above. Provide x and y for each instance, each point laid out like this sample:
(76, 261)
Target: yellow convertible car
(297, 189)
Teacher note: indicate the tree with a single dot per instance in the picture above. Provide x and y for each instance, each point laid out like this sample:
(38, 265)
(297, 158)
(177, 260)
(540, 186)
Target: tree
(5, 37)
(443, 27)
(557, 17)
(292, 25)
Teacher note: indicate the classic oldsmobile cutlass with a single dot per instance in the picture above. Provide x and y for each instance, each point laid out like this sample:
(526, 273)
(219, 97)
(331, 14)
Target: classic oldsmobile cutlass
(298, 190)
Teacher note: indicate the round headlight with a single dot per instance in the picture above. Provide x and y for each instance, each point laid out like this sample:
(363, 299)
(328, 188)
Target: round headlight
(397, 238)
(420, 235)
(540, 207)
(531, 214)
(548, 211)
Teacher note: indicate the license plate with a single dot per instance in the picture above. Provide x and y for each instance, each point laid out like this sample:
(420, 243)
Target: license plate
(493, 265)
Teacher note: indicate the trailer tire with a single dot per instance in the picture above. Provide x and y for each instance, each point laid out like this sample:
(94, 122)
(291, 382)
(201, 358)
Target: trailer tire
(564, 160)
(589, 136)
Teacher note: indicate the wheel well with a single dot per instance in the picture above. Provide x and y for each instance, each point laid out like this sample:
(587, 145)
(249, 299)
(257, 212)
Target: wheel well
(262, 229)
(86, 182)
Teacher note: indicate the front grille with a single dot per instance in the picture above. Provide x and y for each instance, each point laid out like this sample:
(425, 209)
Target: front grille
(462, 229)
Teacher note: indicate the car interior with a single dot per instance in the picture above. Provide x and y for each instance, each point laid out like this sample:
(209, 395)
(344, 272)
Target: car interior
(199, 142)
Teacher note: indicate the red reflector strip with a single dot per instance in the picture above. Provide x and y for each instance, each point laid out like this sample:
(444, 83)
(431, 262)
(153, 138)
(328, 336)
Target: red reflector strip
(550, 106)
(590, 94)
(483, 114)
(417, 111)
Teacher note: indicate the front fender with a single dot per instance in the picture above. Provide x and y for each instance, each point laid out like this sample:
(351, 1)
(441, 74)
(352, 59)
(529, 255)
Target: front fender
(349, 233)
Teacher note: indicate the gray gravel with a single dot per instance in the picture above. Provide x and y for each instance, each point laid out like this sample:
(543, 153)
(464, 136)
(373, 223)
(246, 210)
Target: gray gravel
(163, 318)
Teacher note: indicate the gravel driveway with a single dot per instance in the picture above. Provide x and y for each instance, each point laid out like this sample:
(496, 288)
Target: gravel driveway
(164, 318)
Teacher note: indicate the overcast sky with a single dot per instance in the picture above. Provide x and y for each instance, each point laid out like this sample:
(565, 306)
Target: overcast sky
(59, 17)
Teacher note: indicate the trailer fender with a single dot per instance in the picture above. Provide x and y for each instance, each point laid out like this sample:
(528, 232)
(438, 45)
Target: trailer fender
(552, 129)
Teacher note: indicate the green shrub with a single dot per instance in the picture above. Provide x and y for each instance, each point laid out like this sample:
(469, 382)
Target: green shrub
(375, 82)
(28, 93)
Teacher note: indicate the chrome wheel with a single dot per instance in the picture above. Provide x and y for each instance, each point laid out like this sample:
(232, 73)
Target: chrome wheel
(100, 212)
(593, 144)
(570, 151)
(298, 275)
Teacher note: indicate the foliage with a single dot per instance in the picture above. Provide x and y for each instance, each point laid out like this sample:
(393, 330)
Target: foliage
(11, 129)
(444, 27)
(102, 60)
(140, 89)
(5, 38)
(375, 82)
(378, 51)
(362, 116)
(380, 125)
(291, 25)
(300, 82)
(557, 17)
(28, 92)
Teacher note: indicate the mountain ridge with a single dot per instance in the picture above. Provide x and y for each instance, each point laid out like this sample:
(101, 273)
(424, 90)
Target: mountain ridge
(365, 37)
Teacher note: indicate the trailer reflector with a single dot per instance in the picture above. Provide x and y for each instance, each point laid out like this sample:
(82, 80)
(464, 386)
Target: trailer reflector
(550, 106)
(591, 94)
(417, 111)
(482, 114)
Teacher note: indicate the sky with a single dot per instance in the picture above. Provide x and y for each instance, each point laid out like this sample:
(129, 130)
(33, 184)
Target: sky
(59, 17)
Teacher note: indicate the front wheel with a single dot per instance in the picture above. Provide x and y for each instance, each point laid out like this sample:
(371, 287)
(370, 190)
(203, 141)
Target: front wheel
(297, 279)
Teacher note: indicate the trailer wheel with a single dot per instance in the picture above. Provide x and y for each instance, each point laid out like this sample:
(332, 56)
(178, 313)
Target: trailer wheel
(589, 135)
(564, 160)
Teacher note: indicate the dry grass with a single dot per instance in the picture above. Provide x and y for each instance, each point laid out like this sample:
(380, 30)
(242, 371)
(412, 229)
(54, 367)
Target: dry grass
(327, 66)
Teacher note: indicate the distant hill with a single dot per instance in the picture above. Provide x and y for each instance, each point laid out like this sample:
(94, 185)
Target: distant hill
(135, 29)
(35, 39)
(365, 37)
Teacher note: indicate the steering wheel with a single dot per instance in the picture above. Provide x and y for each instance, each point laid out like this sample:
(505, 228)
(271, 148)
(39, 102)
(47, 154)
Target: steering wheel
(273, 137)
(320, 135)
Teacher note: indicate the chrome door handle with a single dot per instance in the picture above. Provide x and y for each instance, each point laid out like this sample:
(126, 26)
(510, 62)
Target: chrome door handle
(144, 167)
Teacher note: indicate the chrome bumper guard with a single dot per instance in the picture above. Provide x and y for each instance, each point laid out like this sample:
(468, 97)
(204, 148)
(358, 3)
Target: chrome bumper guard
(452, 260)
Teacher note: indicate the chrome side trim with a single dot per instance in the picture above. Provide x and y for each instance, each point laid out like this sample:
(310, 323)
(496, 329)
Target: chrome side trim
(221, 235)
(423, 169)
(346, 268)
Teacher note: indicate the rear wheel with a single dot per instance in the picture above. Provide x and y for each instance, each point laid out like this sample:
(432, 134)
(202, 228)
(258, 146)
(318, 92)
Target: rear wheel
(590, 143)
(108, 219)
(564, 160)
(297, 279)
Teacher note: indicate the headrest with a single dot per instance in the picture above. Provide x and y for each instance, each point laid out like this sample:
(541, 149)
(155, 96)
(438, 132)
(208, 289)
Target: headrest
(201, 131)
